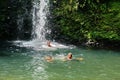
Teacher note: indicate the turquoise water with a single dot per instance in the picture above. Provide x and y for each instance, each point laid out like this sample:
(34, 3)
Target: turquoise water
(27, 64)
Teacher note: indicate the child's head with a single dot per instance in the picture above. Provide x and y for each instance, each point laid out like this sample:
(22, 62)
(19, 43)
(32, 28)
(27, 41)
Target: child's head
(48, 57)
(69, 56)
(48, 43)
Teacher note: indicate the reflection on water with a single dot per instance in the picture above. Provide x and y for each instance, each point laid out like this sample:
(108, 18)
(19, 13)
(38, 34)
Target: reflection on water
(29, 64)
(38, 66)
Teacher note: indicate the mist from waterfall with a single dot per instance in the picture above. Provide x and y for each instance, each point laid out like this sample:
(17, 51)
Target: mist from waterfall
(39, 12)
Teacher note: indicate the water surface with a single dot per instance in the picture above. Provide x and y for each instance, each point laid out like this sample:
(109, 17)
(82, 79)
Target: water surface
(28, 64)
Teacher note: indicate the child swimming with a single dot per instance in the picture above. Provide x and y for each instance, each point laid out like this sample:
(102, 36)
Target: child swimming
(63, 58)
(48, 58)
(49, 44)
(69, 56)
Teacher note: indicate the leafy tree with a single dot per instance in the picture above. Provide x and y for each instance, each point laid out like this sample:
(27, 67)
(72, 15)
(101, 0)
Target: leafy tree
(85, 20)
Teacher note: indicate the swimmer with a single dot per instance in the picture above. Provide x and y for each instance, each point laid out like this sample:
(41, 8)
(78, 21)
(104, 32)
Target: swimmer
(68, 57)
(48, 58)
(48, 44)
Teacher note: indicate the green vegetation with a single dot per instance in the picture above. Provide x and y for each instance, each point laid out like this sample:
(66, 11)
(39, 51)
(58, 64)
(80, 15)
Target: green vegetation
(88, 20)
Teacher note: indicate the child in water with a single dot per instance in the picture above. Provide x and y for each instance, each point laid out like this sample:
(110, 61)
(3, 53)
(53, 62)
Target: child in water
(48, 58)
(48, 44)
(66, 58)
(69, 56)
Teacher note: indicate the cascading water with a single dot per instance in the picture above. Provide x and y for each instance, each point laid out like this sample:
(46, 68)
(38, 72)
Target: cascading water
(23, 19)
(20, 24)
(40, 11)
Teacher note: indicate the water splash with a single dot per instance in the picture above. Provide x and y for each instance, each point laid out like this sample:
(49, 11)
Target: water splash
(38, 45)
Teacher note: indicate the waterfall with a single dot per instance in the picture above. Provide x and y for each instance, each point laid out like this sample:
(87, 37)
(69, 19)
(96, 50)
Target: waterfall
(40, 11)
(23, 18)
(20, 25)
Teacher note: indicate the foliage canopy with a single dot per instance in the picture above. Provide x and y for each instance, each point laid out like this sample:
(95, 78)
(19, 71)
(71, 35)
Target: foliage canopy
(85, 20)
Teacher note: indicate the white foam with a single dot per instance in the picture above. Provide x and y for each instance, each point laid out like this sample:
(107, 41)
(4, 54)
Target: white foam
(40, 45)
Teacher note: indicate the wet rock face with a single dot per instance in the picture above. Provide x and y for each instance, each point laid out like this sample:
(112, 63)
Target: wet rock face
(15, 19)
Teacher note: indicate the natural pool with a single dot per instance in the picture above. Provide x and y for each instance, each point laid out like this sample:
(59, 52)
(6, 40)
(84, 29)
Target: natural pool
(26, 64)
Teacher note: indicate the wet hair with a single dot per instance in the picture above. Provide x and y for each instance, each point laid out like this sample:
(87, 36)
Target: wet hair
(70, 55)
